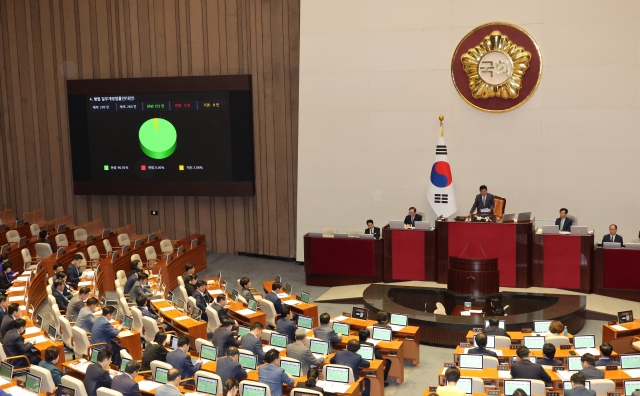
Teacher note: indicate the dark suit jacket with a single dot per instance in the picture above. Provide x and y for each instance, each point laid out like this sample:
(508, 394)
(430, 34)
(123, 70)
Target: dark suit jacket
(227, 368)
(351, 359)
(606, 238)
(131, 280)
(5, 282)
(48, 242)
(567, 223)
(73, 274)
(549, 362)
(417, 217)
(376, 232)
(201, 303)
(288, 328)
(591, 372)
(222, 339)
(481, 351)
(61, 300)
(180, 360)
(252, 343)
(489, 204)
(14, 345)
(603, 361)
(580, 391)
(496, 331)
(189, 288)
(275, 300)
(528, 370)
(125, 385)
(6, 325)
(3, 312)
(153, 352)
(102, 331)
(96, 377)
(222, 311)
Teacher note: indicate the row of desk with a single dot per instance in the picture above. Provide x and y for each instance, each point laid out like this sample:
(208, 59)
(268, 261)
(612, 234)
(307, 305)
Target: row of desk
(525, 259)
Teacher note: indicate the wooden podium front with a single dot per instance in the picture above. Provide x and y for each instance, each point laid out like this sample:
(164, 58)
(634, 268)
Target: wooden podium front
(409, 254)
(476, 276)
(563, 262)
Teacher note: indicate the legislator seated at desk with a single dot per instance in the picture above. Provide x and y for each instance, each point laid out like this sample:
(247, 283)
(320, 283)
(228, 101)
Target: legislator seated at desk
(272, 374)
(549, 354)
(372, 229)
(612, 236)
(125, 383)
(351, 358)
(494, 328)
(412, 217)
(577, 387)
(605, 356)
(589, 369)
(481, 349)
(44, 238)
(97, 375)
(563, 221)
(451, 389)
(484, 202)
(523, 368)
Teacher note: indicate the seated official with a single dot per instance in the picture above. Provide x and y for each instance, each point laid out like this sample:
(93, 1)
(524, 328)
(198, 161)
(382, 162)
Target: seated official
(77, 303)
(221, 307)
(272, 374)
(136, 268)
(496, 307)
(481, 349)
(484, 202)
(57, 267)
(230, 388)
(412, 217)
(276, 288)
(44, 238)
(298, 350)
(142, 302)
(312, 378)
(371, 229)
(86, 319)
(563, 221)
(171, 387)
(4, 305)
(103, 331)
(246, 291)
(228, 366)
(556, 329)
(494, 328)
(223, 337)
(252, 341)
(363, 336)
(180, 359)
(452, 374)
(13, 313)
(125, 382)
(73, 270)
(3, 260)
(15, 345)
(5, 281)
(97, 374)
(140, 287)
(383, 320)
(577, 387)
(605, 356)
(612, 236)
(202, 298)
(190, 284)
(155, 350)
(589, 369)
(51, 357)
(189, 269)
(350, 358)
(67, 291)
(58, 294)
(325, 332)
(523, 368)
(285, 324)
(549, 354)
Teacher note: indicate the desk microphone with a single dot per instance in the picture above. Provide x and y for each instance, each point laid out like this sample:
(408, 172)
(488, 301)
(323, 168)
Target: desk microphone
(485, 256)
(465, 248)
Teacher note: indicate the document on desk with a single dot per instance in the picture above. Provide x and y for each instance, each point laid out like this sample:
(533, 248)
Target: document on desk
(15, 298)
(179, 318)
(22, 279)
(125, 333)
(245, 312)
(148, 386)
(18, 391)
(81, 367)
(333, 387)
(15, 289)
(340, 318)
(465, 313)
(37, 340)
(478, 311)
(618, 327)
(485, 210)
(215, 292)
(593, 351)
(292, 302)
(282, 295)
(88, 273)
(267, 348)
(564, 375)
(85, 283)
(397, 328)
(165, 309)
(504, 374)
(635, 373)
(31, 330)
(3, 381)
(372, 341)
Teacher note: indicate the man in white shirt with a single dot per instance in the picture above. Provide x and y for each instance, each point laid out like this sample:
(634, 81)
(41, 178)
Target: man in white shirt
(563, 221)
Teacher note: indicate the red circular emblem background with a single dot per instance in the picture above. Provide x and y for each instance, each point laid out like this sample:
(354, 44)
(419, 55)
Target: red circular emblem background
(531, 77)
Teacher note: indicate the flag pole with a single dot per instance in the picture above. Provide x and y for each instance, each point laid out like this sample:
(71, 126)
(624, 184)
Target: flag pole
(441, 118)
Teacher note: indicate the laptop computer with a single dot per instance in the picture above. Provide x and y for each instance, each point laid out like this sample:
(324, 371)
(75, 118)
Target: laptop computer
(253, 390)
(611, 245)
(584, 341)
(252, 304)
(304, 297)
(19, 222)
(491, 341)
(196, 313)
(566, 385)
(366, 236)
(180, 250)
(625, 316)
(382, 334)
(532, 359)
(290, 367)
(524, 216)
(128, 322)
(180, 305)
(52, 333)
(123, 364)
(173, 342)
(242, 331)
(316, 235)
(508, 217)
(305, 322)
(533, 342)
(94, 355)
(471, 362)
(337, 374)
(32, 383)
(629, 361)
(341, 328)
(6, 373)
(396, 224)
(234, 295)
(550, 230)
(194, 243)
(341, 235)
(278, 340)
(398, 321)
(422, 225)
(160, 375)
(574, 363)
(169, 257)
(61, 227)
(630, 386)
(464, 383)
(207, 385)
(208, 353)
(501, 324)
(137, 243)
(360, 313)
(106, 232)
(634, 246)
(248, 362)
(366, 352)
(151, 237)
(510, 386)
(318, 347)
(65, 391)
(170, 297)
(541, 326)
(288, 288)
(579, 230)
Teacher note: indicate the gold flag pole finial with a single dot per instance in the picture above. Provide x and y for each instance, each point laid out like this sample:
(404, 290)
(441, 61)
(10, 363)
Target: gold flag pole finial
(441, 118)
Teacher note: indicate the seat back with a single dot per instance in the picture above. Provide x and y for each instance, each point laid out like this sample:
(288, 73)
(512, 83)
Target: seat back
(83, 262)
(573, 219)
(302, 391)
(28, 218)
(38, 217)
(12, 236)
(125, 354)
(123, 240)
(150, 328)
(269, 311)
(503, 342)
(557, 341)
(80, 341)
(490, 362)
(26, 257)
(107, 392)
(150, 253)
(99, 224)
(47, 384)
(124, 307)
(65, 332)
(93, 252)
(183, 293)
(43, 250)
(602, 386)
(254, 383)
(80, 235)
(501, 204)
(200, 342)
(206, 374)
(266, 335)
(121, 275)
(62, 241)
(166, 246)
(75, 384)
(324, 370)
(537, 387)
(137, 319)
(192, 303)
(107, 246)
(477, 385)
(68, 220)
(90, 227)
(57, 221)
(157, 363)
(214, 321)
(135, 257)
(354, 233)
(35, 229)
(9, 216)
(440, 306)
(56, 316)
(180, 281)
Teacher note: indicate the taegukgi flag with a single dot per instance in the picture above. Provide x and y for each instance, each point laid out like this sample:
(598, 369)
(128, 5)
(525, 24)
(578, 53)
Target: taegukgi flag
(441, 196)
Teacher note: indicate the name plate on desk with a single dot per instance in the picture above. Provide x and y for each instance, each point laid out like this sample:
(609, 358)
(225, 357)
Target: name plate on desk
(553, 393)
(432, 389)
(568, 346)
(612, 322)
(512, 346)
(477, 329)
(613, 394)
(449, 365)
(557, 368)
(610, 367)
(494, 392)
(503, 367)
(526, 330)
(465, 345)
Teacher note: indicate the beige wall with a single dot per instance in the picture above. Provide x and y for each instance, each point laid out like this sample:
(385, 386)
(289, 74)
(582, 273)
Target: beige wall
(375, 75)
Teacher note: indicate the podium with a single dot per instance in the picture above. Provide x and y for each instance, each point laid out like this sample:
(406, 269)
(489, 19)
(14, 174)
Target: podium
(409, 254)
(616, 273)
(563, 262)
(476, 276)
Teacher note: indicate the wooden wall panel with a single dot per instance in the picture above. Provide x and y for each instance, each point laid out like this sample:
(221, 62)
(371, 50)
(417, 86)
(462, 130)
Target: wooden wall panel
(45, 42)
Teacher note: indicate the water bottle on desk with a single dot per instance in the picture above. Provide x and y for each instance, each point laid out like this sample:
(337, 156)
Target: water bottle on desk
(566, 332)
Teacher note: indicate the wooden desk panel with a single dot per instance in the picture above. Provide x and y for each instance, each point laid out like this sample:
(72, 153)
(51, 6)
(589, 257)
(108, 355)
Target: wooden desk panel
(563, 261)
(310, 310)
(416, 248)
(616, 272)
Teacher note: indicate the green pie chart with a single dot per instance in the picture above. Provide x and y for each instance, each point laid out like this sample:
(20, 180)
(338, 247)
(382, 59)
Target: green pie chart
(158, 138)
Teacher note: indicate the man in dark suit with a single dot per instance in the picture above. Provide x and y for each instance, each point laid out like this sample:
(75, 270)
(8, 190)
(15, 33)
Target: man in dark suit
(325, 332)
(223, 337)
(612, 236)
(220, 305)
(276, 288)
(14, 345)
(412, 217)
(143, 305)
(155, 350)
(13, 313)
(102, 331)
(228, 367)
(286, 326)
(61, 300)
(484, 202)
(140, 288)
(363, 336)
(589, 369)
(272, 374)
(133, 276)
(549, 354)
(563, 221)
(190, 284)
(481, 349)
(73, 270)
(202, 298)
(77, 303)
(97, 375)
(351, 359)
(494, 328)
(251, 342)
(4, 305)
(371, 229)
(605, 356)
(383, 320)
(5, 281)
(124, 383)
(523, 368)
(44, 235)
(180, 360)
(189, 269)
(577, 387)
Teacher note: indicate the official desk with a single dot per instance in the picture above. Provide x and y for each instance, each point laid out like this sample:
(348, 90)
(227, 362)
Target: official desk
(15, 254)
(409, 254)
(300, 308)
(342, 261)
(621, 340)
(516, 336)
(563, 262)
(510, 243)
(616, 274)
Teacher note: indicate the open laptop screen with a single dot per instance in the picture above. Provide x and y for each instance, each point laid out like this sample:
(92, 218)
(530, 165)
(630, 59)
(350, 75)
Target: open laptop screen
(291, 368)
(341, 328)
(360, 313)
(65, 391)
(367, 352)
(631, 386)
(278, 340)
(629, 362)
(254, 390)
(510, 386)
(32, 383)
(123, 365)
(501, 324)
(574, 363)
(625, 316)
(399, 320)
(161, 375)
(491, 341)
(208, 352)
(248, 361)
(305, 322)
(305, 297)
(464, 383)
(207, 385)
(471, 362)
(541, 326)
(585, 341)
(533, 342)
(382, 334)
(338, 374)
(242, 330)
(321, 347)
(6, 371)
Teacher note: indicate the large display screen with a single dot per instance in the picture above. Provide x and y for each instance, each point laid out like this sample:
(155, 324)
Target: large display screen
(162, 136)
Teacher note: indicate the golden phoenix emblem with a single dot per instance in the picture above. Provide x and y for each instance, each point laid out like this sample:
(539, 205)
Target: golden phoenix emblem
(495, 67)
